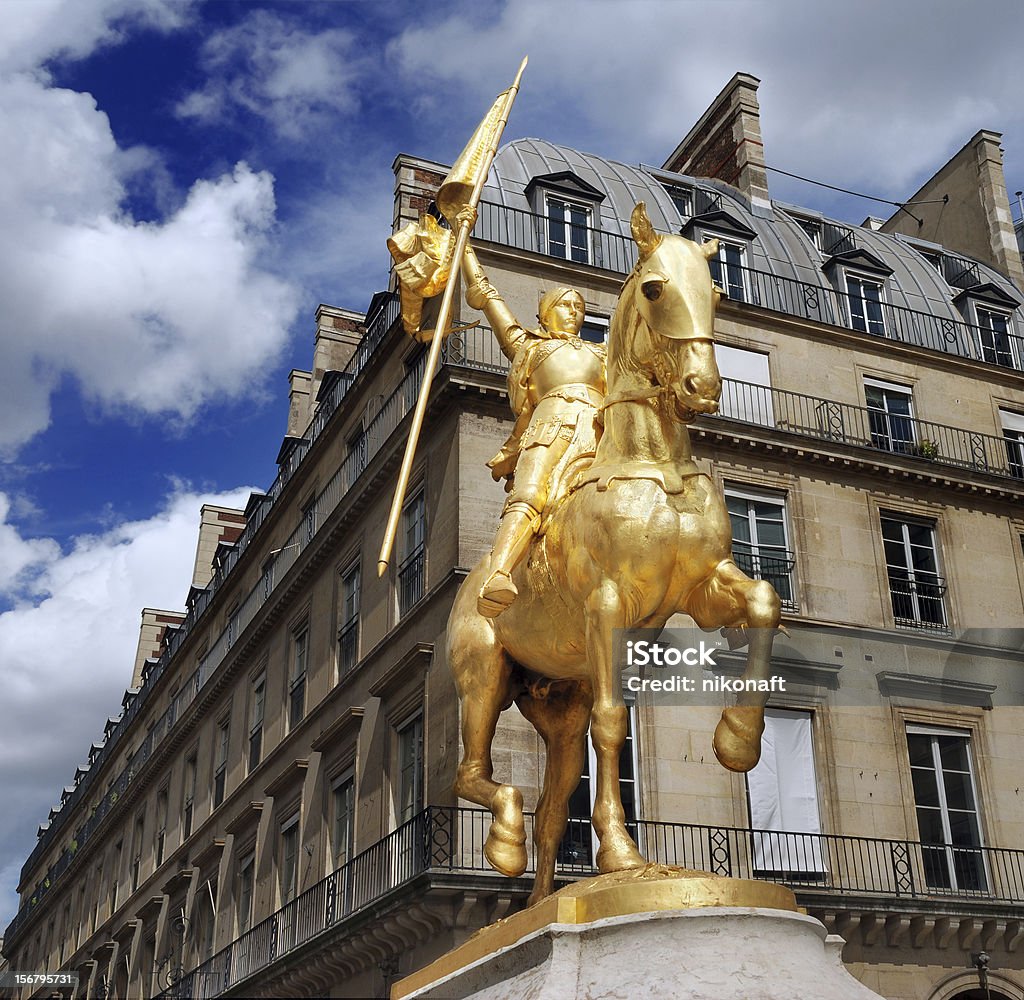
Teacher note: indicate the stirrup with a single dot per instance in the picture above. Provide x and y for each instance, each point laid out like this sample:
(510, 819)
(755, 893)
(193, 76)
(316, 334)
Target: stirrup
(496, 595)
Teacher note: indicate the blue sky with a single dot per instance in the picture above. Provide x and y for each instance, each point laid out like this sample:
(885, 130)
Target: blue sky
(183, 183)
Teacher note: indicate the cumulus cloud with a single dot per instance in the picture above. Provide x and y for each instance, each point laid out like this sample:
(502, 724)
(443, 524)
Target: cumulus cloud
(849, 92)
(153, 317)
(277, 70)
(68, 649)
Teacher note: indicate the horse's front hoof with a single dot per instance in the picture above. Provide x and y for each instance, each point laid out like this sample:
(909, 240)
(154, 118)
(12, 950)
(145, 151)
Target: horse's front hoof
(505, 849)
(618, 854)
(737, 742)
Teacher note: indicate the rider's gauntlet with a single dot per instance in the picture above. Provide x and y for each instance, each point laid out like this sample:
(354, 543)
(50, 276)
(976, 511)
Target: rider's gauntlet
(479, 290)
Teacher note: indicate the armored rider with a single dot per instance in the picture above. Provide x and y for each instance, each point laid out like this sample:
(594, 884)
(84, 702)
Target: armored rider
(556, 384)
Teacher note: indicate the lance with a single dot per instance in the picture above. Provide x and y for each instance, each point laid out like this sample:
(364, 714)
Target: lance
(442, 322)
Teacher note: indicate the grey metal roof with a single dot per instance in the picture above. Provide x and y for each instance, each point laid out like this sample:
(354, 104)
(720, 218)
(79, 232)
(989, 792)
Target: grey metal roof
(782, 247)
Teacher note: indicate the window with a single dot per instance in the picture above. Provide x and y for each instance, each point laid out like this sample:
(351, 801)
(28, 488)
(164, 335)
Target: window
(115, 873)
(1013, 435)
(348, 628)
(220, 765)
(760, 542)
(258, 705)
(783, 794)
(682, 198)
(578, 847)
(946, 804)
(595, 329)
(289, 870)
(410, 770)
(727, 268)
(161, 825)
(812, 230)
(267, 577)
(246, 883)
(411, 568)
(297, 684)
(994, 336)
(915, 587)
(137, 838)
(344, 813)
(890, 416)
(865, 297)
(746, 385)
(568, 229)
(188, 797)
(355, 460)
(309, 521)
(413, 368)
(209, 917)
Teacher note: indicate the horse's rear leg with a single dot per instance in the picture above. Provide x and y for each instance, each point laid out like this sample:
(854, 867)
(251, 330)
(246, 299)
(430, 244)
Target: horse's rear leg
(727, 599)
(482, 672)
(561, 719)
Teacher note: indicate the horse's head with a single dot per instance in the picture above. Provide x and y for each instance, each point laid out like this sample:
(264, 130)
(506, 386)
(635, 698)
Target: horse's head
(671, 290)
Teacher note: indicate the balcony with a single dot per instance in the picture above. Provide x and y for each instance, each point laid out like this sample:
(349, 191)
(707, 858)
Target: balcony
(523, 230)
(440, 843)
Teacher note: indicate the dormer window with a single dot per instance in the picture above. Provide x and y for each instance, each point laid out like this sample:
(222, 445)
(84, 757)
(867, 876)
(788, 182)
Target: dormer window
(865, 298)
(682, 198)
(729, 268)
(568, 205)
(989, 309)
(569, 225)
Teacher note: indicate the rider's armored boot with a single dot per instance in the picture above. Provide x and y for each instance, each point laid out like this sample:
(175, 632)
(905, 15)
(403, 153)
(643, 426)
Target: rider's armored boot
(518, 525)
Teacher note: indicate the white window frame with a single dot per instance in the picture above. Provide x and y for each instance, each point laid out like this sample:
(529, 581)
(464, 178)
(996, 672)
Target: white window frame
(1012, 426)
(350, 598)
(894, 388)
(725, 241)
(595, 321)
(871, 279)
(985, 309)
(298, 675)
(915, 729)
(918, 620)
(742, 491)
(567, 245)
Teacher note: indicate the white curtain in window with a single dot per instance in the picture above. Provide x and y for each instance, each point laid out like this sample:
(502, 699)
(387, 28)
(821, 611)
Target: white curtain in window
(784, 796)
(751, 402)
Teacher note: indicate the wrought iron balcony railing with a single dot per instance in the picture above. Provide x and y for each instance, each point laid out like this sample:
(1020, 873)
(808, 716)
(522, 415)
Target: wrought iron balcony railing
(819, 303)
(450, 840)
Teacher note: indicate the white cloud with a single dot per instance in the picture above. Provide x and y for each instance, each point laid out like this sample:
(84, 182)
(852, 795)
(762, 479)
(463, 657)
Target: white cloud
(272, 68)
(158, 318)
(20, 557)
(66, 657)
(876, 95)
(37, 30)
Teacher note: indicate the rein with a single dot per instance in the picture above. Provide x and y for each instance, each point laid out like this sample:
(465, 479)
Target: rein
(635, 397)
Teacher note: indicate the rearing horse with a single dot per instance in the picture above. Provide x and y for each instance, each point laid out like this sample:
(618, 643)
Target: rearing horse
(643, 536)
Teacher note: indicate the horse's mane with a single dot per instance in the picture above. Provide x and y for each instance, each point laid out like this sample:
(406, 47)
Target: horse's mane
(629, 337)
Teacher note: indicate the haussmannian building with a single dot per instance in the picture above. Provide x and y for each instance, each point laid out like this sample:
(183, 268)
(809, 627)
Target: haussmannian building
(269, 812)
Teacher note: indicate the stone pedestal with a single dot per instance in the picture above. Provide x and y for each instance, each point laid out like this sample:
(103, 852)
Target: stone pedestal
(575, 945)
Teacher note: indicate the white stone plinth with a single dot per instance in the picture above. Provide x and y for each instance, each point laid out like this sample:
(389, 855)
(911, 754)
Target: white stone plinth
(708, 953)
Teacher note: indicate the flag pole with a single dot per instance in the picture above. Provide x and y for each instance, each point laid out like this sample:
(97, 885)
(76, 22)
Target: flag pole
(438, 339)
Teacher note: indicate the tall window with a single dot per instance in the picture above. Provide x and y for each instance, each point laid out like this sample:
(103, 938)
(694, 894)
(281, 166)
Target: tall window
(568, 229)
(115, 875)
(578, 847)
(994, 336)
(760, 542)
(413, 563)
(915, 587)
(297, 684)
(727, 269)
(890, 415)
(246, 883)
(410, 770)
(947, 808)
(289, 870)
(188, 799)
(348, 626)
(209, 910)
(161, 825)
(220, 765)
(783, 792)
(746, 385)
(257, 708)
(137, 839)
(1013, 435)
(356, 458)
(865, 297)
(98, 888)
(344, 813)
(309, 521)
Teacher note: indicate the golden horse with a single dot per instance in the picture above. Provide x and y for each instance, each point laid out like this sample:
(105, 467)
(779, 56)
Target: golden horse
(644, 535)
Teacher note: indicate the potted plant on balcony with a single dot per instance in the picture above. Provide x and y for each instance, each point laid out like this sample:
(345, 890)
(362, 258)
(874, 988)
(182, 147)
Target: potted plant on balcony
(925, 448)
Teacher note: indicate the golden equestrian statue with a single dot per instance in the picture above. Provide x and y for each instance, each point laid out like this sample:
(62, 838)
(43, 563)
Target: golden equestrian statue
(609, 524)
(640, 536)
